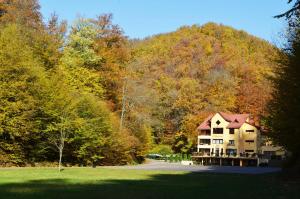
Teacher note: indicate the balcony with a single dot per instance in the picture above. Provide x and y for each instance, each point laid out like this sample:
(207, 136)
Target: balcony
(204, 133)
(204, 136)
(231, 144)
(204, 141)
(204, 145)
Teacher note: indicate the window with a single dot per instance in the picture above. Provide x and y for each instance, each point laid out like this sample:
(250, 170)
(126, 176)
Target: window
(218, 122)
(218, 130)
(249, 141)
(231, 142)
(217, 141)
(231, 131)
(205, 132)
(250, 131)
(249, 151)
(231, 151)
(204, 141)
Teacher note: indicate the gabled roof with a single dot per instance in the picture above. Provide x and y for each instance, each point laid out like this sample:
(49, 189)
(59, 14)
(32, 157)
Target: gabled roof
(205, 125)
(235, 120)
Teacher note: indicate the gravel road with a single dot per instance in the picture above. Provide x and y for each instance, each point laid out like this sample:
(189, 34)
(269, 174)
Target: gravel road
(165, 166)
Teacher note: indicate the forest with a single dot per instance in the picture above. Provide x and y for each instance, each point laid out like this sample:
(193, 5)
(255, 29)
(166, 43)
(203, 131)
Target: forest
(87, 94)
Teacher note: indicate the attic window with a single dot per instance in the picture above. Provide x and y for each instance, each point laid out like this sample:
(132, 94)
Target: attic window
(218, 122)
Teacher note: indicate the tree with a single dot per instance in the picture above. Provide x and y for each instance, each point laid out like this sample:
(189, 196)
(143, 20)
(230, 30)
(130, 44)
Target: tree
(60, 107)
(22, 80)
(25, 13)
(80, 59)
(181, 144)
(221, 90)
(285, 106)
(45, 39)
(203, 69)
(292, 14)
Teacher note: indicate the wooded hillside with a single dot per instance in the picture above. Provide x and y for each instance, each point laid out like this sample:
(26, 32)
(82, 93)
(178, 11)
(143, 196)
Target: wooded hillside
(95, 97)
(200, 69)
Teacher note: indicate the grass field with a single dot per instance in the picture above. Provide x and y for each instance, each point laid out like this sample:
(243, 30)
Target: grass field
(44, 183)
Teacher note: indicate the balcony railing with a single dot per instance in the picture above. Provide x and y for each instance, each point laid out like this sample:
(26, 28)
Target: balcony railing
(241, 155)
(204, 143)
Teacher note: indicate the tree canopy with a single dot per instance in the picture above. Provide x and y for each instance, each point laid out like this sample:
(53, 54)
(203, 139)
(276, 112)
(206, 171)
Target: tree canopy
(92, 96)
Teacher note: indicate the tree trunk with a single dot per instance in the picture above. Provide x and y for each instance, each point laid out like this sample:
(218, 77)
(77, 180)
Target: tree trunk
(60, 157)
(123, 105)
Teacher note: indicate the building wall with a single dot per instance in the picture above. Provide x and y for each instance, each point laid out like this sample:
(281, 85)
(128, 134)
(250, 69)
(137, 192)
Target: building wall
(239, 138)
(244, 136)
(223, 124)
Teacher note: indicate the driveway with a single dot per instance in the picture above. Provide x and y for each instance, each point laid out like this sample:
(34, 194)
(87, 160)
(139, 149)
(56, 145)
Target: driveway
(165, 166)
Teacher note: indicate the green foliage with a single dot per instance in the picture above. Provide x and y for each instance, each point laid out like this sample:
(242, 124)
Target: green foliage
(161, 149)
(45, 109)
(181, 144)
(172, 158)
(176, 157)
(185, 157)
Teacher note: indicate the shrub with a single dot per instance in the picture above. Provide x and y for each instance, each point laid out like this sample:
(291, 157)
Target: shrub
(185, 156)
(161, 149)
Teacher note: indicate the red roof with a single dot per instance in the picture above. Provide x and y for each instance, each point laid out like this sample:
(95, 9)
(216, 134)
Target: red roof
(235, 120)
(206, 124)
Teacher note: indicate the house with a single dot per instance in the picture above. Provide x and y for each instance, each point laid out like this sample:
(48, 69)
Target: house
(271, 153)
(228, 137)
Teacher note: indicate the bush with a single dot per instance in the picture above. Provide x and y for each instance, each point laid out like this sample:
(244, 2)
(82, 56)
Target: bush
(176, 158)
(180, 158)
(185, 157)
(161, 149)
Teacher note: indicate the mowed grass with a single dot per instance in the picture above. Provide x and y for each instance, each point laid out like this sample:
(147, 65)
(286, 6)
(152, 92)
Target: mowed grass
(44, 183)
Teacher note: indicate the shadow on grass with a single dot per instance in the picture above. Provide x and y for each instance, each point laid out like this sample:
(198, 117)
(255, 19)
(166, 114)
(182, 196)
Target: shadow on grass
(191, 185)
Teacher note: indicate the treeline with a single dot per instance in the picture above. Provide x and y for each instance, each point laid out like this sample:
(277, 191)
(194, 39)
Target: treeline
(284, 109)
(60, 93)
(94, 97)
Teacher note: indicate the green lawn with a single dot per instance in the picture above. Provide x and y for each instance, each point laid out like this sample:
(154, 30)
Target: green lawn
(43, 183)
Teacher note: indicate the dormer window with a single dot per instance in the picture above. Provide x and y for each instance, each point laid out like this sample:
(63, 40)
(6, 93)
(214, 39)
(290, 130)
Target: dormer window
(218, 122)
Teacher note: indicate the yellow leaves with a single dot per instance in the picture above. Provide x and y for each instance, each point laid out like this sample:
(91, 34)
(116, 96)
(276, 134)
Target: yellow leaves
(208, 48)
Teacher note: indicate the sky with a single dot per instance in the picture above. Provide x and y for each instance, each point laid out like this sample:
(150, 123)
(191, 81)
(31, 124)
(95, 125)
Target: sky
(143, 18)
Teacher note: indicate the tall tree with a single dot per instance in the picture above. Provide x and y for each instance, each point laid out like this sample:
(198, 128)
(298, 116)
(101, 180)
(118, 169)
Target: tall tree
(285, 106)
(60, 108)
(22, 12)
(21, 83)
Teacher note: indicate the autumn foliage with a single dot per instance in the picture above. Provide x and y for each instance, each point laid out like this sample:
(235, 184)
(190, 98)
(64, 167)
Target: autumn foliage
(65, 91)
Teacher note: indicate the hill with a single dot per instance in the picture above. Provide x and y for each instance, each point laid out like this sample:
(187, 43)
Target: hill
(200, 69)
